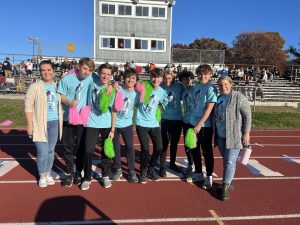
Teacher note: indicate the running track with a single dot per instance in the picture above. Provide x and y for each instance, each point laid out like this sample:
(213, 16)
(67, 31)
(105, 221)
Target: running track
(266, 191)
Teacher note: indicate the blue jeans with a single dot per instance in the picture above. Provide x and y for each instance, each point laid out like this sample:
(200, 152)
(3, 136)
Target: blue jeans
(229, 160)
(45, 150)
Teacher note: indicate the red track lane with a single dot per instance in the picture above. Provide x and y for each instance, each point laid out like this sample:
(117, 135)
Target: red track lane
(254, 197)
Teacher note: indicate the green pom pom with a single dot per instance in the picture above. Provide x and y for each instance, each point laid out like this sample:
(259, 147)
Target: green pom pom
(158, 114)
(105, 100)
(148, 91)
(190, 139)
(109, 148)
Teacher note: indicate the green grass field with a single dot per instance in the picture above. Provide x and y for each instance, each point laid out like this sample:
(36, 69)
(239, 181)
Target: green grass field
(263, 117)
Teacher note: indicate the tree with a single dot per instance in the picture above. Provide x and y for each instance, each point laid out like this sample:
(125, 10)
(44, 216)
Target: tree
(208, 44)
(295, 53)
(260, 48)
(192, 53)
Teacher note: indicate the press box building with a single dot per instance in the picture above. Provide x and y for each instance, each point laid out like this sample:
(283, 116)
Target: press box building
(139, 30)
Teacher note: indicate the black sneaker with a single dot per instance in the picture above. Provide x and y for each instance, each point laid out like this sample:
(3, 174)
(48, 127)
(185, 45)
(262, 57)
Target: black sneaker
(175, 168)
(143, 177)
(152, 175)
(77, 180)
(132, 177)
(68, 181)
(162, 172)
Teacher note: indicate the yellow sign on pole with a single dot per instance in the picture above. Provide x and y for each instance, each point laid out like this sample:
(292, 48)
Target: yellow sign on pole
(70, 47)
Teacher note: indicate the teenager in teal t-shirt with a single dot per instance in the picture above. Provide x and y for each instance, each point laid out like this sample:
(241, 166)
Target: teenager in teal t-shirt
(205, 98)
(73, 90)
(171, 123)
(100, 122)
(124, 126)
(187, 78)
(148, 126)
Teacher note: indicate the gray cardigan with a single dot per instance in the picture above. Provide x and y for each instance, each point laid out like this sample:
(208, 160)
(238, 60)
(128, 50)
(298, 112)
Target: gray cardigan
(238, 119)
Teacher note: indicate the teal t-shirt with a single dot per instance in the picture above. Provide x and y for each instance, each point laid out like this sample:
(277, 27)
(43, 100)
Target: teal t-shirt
(188, 104)
(173, 109)
(203, 94)
(146, 112)
(52, 102)
(98, 119)
(124, 116)
(220, 115)
(74, 88)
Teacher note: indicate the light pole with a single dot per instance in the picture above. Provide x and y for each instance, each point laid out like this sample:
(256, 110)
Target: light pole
(33, 41)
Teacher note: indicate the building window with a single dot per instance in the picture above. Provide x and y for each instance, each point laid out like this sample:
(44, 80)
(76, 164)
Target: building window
(125, 10)
(127, 43)
(157, 45)
(144, 44)
(142, 11)
(108, 42)
(137, 44)
(140, 44)
(158, 12)
(108, 9)
(132, 43)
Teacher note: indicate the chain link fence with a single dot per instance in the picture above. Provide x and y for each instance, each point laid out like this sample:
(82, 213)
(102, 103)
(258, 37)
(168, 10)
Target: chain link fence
(198, 56)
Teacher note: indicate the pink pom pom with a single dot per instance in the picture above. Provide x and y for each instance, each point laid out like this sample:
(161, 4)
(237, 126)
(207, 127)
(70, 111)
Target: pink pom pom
(119, 101)
(74, 117)
(6, 123)
(139, 87)
(85, 113)
(73, 71)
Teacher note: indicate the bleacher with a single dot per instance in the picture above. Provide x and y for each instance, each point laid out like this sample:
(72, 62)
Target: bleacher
(278, 90)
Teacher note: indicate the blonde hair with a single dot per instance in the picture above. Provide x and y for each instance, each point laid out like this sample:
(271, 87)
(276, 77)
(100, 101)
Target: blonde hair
(169, 72)
(225, 78)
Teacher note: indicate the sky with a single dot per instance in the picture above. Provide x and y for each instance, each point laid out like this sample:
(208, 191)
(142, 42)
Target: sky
(58, 22)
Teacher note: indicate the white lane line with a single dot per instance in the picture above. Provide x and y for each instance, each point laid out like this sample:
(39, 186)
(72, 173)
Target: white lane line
(292, 159)
(258, 169)
(161, 180)
(260, 145)
(164, 220)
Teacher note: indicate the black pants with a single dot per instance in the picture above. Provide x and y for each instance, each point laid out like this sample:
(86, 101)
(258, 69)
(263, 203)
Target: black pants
(127, 135)
(71, 138)
(155, 134)
(90, 139)
(170, 133)
(205, 142)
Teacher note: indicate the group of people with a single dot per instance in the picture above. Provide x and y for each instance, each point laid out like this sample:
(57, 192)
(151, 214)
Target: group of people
(88, 96)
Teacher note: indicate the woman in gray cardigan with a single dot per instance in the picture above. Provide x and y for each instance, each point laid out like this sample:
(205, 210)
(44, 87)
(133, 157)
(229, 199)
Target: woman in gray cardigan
(233, 124)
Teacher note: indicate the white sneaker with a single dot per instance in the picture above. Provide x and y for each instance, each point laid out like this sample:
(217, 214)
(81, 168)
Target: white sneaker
(85, 185)
(207, 183)
(106, 182)
(43, 183)
(50, 180)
